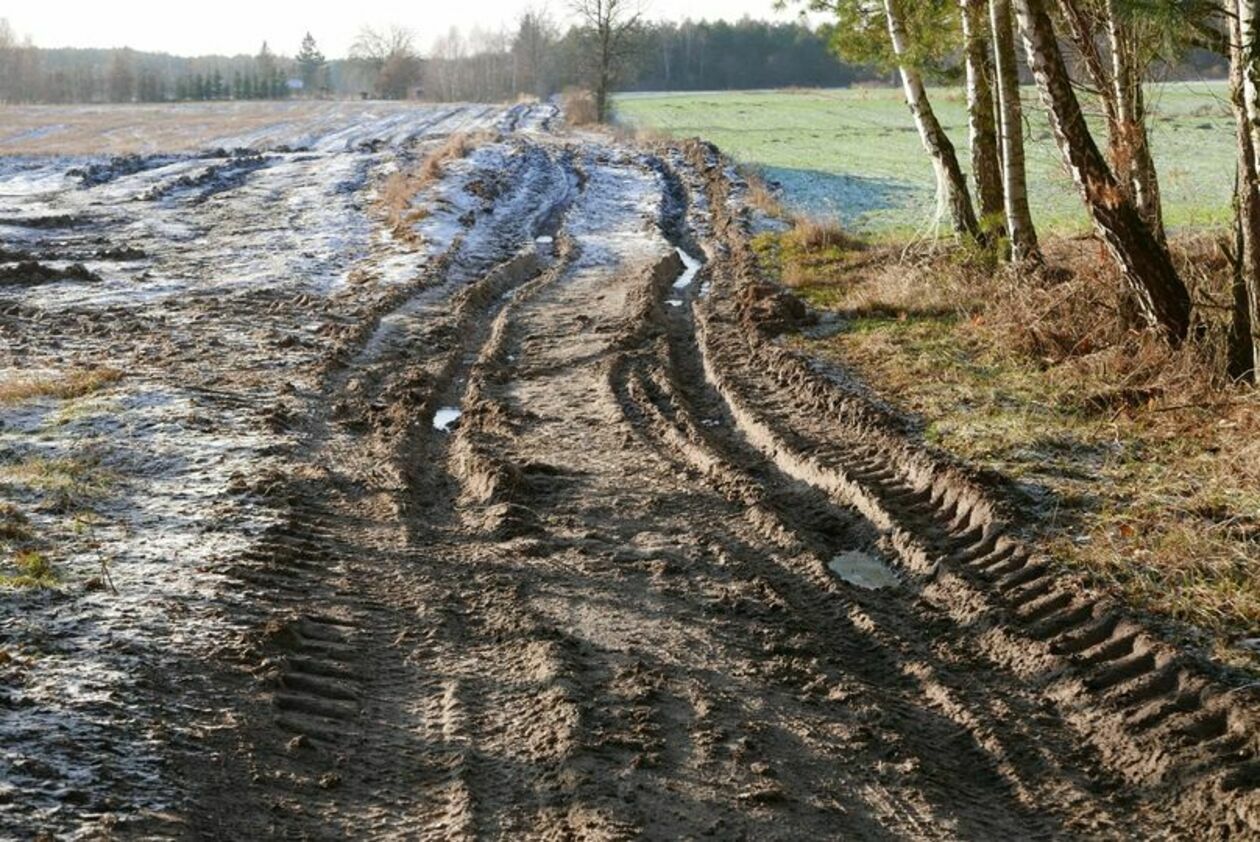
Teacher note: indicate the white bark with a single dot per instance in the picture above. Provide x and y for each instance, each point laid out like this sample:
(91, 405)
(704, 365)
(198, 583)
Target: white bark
(950, 182)
(1019, 224)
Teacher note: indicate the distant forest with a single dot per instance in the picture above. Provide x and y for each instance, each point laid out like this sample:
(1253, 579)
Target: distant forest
(534, 58)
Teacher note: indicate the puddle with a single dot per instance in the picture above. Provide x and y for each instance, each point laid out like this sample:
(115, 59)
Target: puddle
(692, 268)
(864, 570)
(445, 417)
(674, 302)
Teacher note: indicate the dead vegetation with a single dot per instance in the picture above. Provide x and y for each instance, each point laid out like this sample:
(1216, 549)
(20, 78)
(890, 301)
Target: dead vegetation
(579, 107)
(398, 192)
(23, 563)
(1139, 461)
(61, 485)
(759, 195)
(63, 386)
(28, 569)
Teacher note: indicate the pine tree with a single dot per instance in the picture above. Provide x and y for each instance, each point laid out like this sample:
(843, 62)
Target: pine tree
(265, 81)
(311, 62)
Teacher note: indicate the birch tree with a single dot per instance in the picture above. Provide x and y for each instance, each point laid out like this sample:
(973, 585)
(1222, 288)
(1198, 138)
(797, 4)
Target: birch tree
(1142, 257)
(1244, 50)
(1131, 152)
(909, 37)
(1019, 224)
(1131, 33)
(986, 171)
(950, 182)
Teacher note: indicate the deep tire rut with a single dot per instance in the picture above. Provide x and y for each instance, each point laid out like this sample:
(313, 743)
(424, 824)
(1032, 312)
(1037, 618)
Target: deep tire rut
(599, 604)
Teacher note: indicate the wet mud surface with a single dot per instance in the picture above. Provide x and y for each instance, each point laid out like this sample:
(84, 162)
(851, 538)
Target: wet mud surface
(526, 525)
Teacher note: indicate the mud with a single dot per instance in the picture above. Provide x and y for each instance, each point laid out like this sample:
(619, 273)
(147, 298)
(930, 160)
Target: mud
(525, 524)
(29, 273)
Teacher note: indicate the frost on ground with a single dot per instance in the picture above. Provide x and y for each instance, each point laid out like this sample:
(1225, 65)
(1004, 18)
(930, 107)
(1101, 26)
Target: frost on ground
(358, 481)
(217, 264)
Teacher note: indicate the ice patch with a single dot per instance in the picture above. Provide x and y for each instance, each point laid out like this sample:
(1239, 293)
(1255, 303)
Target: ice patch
(863, 569)
(690, 270)
(445, 417)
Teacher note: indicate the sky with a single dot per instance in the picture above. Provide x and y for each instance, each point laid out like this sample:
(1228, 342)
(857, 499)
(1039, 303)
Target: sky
(240, 26)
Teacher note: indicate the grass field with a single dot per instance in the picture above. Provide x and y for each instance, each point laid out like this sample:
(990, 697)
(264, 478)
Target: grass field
(855, 155)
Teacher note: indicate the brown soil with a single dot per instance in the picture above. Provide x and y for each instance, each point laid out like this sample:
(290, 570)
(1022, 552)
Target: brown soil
(601, 608)
(599, 605)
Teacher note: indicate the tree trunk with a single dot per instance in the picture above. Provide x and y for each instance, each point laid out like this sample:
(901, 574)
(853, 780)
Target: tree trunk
(1019, 223)
(950, 181)
(1131, 148)
(1244, 345)
(1144, 261)
(985, 168)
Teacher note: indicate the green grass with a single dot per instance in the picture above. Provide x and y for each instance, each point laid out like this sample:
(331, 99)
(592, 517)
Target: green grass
(855, 155)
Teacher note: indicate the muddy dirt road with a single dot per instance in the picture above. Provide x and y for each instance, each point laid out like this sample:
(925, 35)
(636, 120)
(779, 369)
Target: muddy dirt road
(523, 522)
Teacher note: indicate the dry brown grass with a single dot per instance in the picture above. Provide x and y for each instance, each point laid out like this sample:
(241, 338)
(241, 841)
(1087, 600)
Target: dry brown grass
(15, 527)
(579, 107)
(759, 194)
(398, 192)
(1139, 463)
(74, 384)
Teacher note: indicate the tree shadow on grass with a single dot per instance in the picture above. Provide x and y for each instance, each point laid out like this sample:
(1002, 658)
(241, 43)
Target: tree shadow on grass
(845, 196)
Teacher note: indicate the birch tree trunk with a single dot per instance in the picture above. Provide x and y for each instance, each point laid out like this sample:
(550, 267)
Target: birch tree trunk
(1019, 223)
(1244, 66)
(985, 166)
(950, 180)
(1131, 148)
(1143, 259)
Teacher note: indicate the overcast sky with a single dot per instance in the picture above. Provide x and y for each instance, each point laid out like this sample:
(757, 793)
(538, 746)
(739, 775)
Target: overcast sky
(240, 26)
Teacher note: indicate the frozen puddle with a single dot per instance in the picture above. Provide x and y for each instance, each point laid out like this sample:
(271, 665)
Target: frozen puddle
(692, 268)
(445, 417)
(863, 569)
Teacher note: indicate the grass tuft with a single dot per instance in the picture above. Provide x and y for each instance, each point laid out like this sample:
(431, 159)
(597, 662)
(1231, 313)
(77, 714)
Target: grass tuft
(74, 384)
(61, 484)
(30, 569)
(15, 527)
(398, 192)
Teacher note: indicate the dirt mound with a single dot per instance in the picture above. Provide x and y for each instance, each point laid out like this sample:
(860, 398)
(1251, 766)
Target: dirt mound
(772, 309)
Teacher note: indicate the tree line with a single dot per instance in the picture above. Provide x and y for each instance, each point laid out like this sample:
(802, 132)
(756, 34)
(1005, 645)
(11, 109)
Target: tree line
(1086, 57)
(534, 56)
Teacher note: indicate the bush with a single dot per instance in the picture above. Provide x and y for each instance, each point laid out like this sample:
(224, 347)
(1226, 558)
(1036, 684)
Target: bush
(579, 107)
